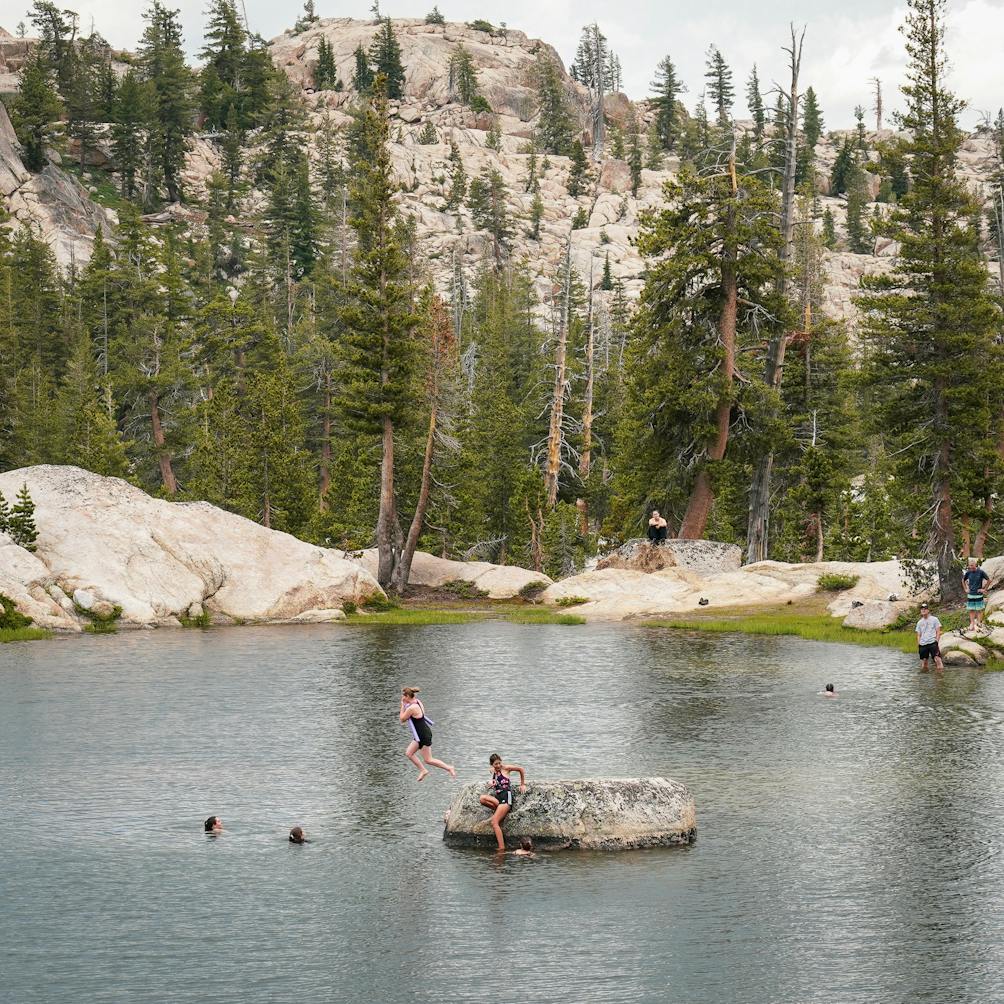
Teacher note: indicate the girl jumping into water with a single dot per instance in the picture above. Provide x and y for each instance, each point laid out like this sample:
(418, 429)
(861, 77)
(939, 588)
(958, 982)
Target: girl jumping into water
(413, 715)
(501, 800)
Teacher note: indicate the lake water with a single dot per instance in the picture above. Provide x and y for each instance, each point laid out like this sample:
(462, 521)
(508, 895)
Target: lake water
(848, 850)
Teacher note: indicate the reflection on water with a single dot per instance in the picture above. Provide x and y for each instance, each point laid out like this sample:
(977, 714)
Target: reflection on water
(848, 850)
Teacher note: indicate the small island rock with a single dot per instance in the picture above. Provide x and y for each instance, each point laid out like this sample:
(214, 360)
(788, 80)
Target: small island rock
(588, 814)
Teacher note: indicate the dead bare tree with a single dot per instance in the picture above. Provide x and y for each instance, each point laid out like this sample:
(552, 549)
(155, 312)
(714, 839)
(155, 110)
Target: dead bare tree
(877, 106)
(585, 458)
(555, 428)
(759, 509)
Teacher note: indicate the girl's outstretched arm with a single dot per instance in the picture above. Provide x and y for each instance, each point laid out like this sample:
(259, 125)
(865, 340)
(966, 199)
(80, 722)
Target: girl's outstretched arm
(518, 770)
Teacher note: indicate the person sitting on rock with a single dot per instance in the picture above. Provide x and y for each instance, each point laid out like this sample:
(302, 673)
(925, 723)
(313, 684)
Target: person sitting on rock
(213, 825)
(502, 799)
(928, 635)
(658, 528)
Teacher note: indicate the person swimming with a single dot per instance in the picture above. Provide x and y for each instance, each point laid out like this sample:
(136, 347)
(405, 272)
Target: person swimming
(525, 848)
(829, 691)
(502, 799)
(412, 714)
(213, 824)
(297, 836)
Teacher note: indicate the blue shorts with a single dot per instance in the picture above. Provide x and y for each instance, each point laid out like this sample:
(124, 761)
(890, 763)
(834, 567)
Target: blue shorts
(976, 601)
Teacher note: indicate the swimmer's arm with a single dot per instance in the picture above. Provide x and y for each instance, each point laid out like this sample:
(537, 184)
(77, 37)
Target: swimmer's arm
(407, 712)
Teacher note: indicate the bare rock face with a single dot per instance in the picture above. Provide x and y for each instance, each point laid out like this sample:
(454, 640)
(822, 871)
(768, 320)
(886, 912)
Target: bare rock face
(52, 202)
(500, 582)
(621, 593)
(107, 543)
(600, 814)
(702, 556)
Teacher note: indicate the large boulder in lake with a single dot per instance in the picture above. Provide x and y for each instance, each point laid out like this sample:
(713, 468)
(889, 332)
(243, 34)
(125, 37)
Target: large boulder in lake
(103, 542)
(591, 814)
(705, 557)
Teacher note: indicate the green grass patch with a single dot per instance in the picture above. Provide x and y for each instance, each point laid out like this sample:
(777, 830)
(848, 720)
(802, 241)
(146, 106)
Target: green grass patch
(502, 612)
(464, 590)
(23, 634)
(379, 604)
(815, 627)
(100, 623)
(532, 590)
(204, 620)
(836, 583)
(571, 601)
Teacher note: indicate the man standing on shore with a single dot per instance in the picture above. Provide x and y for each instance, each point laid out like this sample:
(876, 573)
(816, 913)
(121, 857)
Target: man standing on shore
(976, 582)
(928, 636)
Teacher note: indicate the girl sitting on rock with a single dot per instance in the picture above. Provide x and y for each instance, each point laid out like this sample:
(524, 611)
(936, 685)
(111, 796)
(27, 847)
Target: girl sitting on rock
(501, 801)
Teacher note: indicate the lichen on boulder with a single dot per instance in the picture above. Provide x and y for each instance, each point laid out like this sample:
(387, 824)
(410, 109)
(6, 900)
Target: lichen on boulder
(587, 814)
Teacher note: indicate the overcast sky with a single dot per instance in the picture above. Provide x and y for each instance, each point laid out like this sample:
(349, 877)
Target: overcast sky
(846, 44)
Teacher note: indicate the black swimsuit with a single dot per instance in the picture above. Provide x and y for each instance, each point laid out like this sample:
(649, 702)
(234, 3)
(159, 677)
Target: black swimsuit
(420, 728)
(503, 788)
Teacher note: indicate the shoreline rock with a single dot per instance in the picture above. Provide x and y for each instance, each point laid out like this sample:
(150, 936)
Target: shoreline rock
(588, 814)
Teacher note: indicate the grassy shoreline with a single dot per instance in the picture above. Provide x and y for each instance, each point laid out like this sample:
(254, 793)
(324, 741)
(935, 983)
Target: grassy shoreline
(465, 613)
(23, 634)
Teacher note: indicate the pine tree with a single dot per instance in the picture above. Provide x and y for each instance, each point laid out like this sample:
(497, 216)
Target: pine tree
(458, 179)
(862, 139)
(377, 354)
(493, 137)
(362, 78)
(667, 89)
(635, 162)
(428, 135)
(536, 215)
(931, 325)
(83, 94)
(4, 514)
(829, 230)
(162, 60)
(434, 17)
(554, 124)
(232, 159)
(858, 236)
(325, 72)
(754, 102)
(720, 89)
(616, 142)
(843, 166)
(34, 111)
(55, 37)
(385, 55)
(221, 83)
(653, 148)
(486, 200)
(812, 119)
(21, 524)
(607, 282)
(87, 432)
(578, 173)
(463, 78)
(131, 112)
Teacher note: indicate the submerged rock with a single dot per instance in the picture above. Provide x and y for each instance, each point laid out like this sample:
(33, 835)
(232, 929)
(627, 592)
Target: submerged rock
(590, 814)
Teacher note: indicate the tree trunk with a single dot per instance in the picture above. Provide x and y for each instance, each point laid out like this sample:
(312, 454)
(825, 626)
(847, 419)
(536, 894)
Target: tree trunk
(702, 495)
(169, 481)
(387, 519)
(819, 536)
(558, 395)
(403, 570)
(759, 514)
(325, 485)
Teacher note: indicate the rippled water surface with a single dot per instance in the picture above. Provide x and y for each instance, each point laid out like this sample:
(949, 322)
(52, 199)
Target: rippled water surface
(848, 850)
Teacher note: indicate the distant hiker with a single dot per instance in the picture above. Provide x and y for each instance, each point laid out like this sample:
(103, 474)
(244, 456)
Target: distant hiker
(658, 528)
(502, 798)
(525, 848)
(213, 824)
(297, 836)
(976, 582)
(829, 691)
(413, 715)
(928, 635)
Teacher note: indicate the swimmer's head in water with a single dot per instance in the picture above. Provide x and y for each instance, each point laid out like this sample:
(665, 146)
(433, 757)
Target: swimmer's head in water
(526, 844)
(494, 759)
(829, 688)
(296, 835)
(409, 692)
(213, 823)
